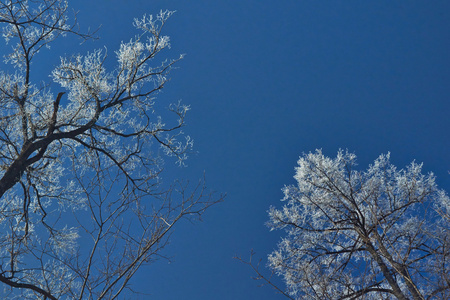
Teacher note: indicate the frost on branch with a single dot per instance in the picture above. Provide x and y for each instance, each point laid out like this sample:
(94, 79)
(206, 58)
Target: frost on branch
(378, 234)
(82, 204)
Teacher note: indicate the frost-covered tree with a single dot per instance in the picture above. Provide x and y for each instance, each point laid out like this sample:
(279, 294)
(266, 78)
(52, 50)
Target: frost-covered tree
(82, 206)
(377, 234)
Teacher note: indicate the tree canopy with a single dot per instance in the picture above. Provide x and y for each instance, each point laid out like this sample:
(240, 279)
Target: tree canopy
(382, 233)
(82, 206)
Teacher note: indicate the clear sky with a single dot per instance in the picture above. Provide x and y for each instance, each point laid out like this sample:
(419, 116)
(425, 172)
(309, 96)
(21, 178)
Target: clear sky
(269, 80)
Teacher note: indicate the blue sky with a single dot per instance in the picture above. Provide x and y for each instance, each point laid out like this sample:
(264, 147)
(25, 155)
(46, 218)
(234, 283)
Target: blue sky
(269, 80)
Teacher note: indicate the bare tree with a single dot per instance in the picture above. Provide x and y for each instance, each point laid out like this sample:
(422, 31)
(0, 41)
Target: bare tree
(379, 234)
(82, 206)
